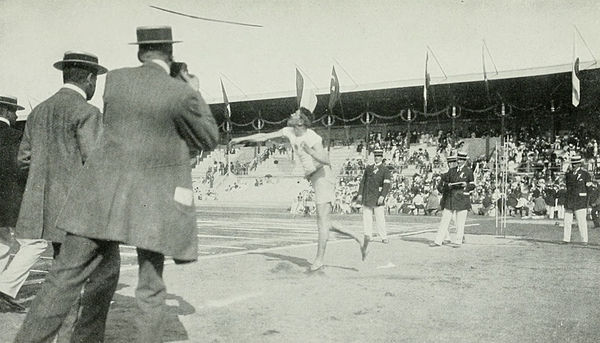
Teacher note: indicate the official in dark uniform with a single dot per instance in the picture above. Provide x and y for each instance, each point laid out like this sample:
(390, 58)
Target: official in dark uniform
(443, 234)
(135, 188)
(12, 184)
(372, 191)
(578, 181)
(456, 186)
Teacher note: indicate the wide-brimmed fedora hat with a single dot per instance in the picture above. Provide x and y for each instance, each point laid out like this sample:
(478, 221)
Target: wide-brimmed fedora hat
(154, 35)
(10, 101)
(81, 59)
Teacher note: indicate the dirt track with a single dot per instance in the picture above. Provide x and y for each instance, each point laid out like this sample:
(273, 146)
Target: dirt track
(490, 290)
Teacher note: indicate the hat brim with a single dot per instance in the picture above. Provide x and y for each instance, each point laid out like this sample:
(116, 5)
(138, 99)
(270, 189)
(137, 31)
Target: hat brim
(295, 121)
(60, 65)
(10, 104)
(156, 42)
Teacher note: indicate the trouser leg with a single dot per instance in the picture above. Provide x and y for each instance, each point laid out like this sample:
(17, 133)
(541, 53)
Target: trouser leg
(5, 241)
(78, 260)
(15, 275)
(580, 215)
(568, 221)
(150, 296)
(442, 232)
(380, 221)
(461, 218)
(95, 298)
(367, 216)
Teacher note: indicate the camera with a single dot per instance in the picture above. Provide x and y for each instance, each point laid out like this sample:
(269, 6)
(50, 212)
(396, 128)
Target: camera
(177, 68)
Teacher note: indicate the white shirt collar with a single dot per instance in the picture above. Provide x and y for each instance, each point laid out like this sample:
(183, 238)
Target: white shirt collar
(5, 120)
(75, 88)
(163, 64)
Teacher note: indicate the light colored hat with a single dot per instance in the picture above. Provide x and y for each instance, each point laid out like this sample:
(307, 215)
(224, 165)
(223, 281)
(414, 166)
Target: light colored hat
(10, 101)
(451, 158)
(462, 156)
(81, 59)
(576, 159)
(378, 153)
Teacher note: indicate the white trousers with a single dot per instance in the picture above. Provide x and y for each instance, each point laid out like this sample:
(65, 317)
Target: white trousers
(460, 217)
(580, 215)
(379, 212)
(14, 275)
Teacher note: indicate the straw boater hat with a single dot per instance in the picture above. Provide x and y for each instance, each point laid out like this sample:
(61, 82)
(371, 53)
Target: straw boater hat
(462, 156)
(10, 101)
(378, 153)
(451, 158)
(154, 35)
(576, 159)
(80, 59)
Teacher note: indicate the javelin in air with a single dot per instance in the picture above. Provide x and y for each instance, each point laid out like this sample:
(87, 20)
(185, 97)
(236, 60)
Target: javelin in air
(207, 19)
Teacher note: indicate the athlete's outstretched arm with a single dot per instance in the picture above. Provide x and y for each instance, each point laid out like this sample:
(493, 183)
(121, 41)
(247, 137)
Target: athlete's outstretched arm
(258, 137)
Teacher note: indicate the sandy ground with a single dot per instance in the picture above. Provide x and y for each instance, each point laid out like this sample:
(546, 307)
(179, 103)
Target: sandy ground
(523, 288)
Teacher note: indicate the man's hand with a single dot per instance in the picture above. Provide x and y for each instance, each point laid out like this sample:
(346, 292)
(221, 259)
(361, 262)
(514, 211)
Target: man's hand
(191, 80)
(380, 200)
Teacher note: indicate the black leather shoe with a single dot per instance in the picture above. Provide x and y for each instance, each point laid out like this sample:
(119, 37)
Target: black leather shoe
(8, 304)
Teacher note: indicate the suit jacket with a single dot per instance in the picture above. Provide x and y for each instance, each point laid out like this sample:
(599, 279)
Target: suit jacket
(376, 182)
(456, 197)
(12, 180)
(136, 187)
(59, 135)
(577, 190)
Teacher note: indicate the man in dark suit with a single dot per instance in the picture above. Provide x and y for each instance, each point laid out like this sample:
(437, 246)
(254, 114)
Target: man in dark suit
(578, 181)
(457, 185)
(12, 184)
(372, 191)
(59, 135)
(135, 188)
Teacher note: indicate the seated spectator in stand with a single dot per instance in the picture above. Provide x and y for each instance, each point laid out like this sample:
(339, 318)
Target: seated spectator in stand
(433, 203)
(539, 207)
(486, 204)
(418, 203)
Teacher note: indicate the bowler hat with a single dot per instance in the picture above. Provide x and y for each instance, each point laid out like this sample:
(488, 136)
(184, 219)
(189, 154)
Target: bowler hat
(154, 35)
(10, 101)
(81, 59)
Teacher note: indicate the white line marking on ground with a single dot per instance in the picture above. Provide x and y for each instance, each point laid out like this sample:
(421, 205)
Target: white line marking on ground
(222, 246)
(231, 300)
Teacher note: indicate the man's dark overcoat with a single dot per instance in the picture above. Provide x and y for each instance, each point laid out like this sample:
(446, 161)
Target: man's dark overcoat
(59, 135)
(136, 187)
(376, 182)
(12, 181)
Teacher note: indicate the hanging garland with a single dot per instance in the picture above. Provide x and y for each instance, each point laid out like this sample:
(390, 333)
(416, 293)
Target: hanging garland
(410, 115)
(452, 113)
(328, 120)
(258, 124)
(367, 117)
(227, 127)
(501, 110)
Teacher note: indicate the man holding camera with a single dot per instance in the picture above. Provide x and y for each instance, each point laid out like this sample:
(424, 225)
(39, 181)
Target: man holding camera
(135, 188)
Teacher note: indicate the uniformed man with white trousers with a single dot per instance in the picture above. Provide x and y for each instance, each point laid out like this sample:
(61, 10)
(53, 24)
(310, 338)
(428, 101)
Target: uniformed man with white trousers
(455, 186)
(578, 181)
(374, 188)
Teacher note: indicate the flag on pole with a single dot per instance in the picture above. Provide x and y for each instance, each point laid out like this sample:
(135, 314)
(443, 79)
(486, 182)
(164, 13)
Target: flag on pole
(334, 90)
(426, 83)
(226, 102)
(305, 96)
(299, 86)
(485, 77)
(575, 93)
